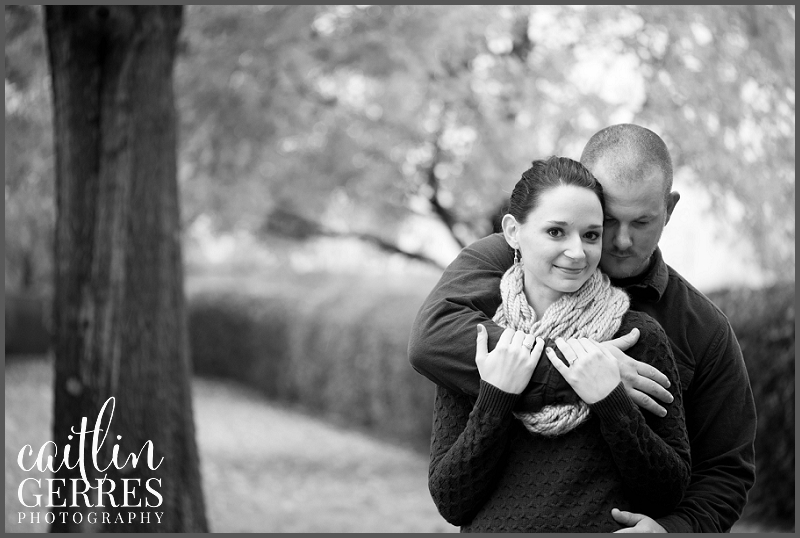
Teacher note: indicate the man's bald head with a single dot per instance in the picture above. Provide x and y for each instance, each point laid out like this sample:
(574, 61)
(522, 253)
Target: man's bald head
(628, 152)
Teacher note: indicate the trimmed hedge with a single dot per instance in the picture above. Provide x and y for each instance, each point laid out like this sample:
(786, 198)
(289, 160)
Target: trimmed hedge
(27, 317)
(764, 323)
(336, 347)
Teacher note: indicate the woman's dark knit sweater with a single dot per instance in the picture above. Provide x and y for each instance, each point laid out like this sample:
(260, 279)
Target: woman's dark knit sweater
(489, 474)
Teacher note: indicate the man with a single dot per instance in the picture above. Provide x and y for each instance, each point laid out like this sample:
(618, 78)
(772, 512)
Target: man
(634, 167)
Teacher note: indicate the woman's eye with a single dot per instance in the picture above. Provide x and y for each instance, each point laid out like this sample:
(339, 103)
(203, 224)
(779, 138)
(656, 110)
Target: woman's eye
(554, 232)
(592, 236)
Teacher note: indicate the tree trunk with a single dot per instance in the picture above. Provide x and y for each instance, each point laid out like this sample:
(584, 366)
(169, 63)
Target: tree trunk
(119, 310)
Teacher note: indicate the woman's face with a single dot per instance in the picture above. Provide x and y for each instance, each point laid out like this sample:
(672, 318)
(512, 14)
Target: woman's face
(560, 242)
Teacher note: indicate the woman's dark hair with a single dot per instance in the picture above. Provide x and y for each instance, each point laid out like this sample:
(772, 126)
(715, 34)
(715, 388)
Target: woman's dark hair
(544, 175)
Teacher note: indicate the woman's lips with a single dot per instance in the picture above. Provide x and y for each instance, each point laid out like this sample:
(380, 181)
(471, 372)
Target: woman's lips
(571, 271)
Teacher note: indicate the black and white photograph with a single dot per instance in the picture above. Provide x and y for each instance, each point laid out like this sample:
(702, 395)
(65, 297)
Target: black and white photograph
(400, 268)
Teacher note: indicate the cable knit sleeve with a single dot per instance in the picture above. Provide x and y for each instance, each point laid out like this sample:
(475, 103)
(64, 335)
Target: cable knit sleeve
(467, 449)
(651, 453)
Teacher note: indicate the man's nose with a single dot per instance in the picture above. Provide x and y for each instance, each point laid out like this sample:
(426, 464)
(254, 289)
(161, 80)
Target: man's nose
(622, 238)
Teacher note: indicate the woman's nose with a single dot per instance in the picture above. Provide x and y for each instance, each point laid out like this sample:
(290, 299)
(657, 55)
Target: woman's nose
(575, 249)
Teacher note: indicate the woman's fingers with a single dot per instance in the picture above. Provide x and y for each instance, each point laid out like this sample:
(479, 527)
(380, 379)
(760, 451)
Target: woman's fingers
(592, 346)
(567, 349)
(578, 347)
(538, 347)
(529, 341)
(509, 365)
(482, 343)
(518, 338)
(505, 338)
(588, 345)
(592, 373)
(557, 363)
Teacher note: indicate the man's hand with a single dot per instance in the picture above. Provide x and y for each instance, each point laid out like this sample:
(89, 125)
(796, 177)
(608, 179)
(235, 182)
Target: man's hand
(635, 523)
(642, 382)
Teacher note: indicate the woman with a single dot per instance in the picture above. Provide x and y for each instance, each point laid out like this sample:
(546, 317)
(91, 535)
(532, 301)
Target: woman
(585, 448)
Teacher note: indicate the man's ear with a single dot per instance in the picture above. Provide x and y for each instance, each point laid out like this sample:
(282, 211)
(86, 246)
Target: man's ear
(672, 201)
(510, 230)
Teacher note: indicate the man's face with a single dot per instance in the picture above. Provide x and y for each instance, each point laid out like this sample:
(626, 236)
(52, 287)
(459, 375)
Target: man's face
(635, 216)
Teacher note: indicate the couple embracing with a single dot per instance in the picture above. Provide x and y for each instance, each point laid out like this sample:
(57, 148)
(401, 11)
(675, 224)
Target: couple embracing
(582, 383)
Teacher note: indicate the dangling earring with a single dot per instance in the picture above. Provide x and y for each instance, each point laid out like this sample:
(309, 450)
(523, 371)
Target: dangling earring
(517, 260)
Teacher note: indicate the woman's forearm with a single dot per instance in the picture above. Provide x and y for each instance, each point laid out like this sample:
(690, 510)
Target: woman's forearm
(467, 449)
(655, 466)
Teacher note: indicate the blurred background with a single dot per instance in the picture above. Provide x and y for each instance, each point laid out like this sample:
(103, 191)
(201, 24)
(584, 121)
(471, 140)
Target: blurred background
(334, 159)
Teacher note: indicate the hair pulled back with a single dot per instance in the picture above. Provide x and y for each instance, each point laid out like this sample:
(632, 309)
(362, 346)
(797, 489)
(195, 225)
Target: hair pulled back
(546, 174)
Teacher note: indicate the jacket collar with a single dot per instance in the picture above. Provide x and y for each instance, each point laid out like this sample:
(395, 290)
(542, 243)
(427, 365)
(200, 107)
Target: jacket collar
(652, 282)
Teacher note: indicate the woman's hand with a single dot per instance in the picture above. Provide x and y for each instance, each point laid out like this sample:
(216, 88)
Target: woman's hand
(593, 371)
(510, 365)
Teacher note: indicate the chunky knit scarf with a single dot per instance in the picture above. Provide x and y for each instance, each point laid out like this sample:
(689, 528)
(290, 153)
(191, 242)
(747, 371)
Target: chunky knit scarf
(594, 311)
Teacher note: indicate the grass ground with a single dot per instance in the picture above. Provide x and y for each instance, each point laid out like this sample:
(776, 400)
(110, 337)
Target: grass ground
(265, 468)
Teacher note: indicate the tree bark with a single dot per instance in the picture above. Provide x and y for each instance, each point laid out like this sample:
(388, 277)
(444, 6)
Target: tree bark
(119, 311)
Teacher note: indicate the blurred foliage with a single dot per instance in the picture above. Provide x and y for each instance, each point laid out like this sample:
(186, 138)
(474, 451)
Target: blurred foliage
(366, 118)
(764, 323)
(29, 194)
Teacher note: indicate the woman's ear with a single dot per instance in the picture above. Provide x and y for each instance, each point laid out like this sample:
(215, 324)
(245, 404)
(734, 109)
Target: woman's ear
(510, 230)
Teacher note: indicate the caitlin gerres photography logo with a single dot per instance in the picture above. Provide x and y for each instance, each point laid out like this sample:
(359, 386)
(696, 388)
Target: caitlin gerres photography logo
(102, 500)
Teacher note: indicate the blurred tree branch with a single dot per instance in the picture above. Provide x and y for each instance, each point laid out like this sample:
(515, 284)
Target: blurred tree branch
(287, 223)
